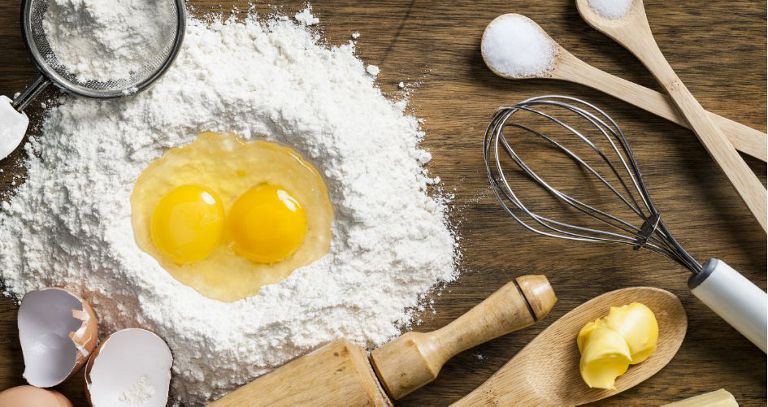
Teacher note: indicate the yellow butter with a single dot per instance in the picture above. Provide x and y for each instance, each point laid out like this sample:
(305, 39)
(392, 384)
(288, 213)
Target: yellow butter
(637, 324)
(608, 345)
(717, 398)
(605, 356)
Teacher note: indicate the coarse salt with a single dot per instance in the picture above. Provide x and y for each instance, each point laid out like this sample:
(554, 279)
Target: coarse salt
(515, 46)
(612, 9)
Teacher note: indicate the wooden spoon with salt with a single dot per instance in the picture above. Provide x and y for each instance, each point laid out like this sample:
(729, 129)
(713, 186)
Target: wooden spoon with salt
(546, 372)
(568, 67)
(633, 32)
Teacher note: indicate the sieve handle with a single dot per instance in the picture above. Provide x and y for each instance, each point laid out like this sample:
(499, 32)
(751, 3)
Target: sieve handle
(30, 93)
(735, 299)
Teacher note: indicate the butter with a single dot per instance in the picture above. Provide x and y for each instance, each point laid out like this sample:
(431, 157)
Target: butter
(717, 398)
(608, 345)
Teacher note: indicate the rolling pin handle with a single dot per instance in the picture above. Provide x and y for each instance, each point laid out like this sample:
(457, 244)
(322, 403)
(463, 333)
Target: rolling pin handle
(415, 359)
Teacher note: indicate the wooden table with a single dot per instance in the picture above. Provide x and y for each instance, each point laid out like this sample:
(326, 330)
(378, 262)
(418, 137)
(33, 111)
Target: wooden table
(717, 48)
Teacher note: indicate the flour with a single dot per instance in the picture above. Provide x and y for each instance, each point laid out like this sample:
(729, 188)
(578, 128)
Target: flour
(69, 224)
(107, 40)
(139, 393)
(306, 17)
(373, 70)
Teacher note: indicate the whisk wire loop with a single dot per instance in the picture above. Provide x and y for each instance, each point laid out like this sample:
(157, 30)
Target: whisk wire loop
(617, 158)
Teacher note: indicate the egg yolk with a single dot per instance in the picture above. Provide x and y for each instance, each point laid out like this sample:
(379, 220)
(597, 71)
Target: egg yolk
(267, 224)
(187, 224)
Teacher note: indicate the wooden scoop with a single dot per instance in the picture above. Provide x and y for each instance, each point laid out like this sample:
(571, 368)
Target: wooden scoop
(339, 374)
(546, 372)
(568, 67)
(633, 32)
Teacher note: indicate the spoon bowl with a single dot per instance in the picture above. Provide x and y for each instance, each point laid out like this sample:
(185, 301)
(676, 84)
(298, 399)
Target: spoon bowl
(546, 371)
(632, 27)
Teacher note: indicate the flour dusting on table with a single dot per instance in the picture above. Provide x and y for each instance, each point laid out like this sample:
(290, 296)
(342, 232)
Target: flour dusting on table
(69, 224)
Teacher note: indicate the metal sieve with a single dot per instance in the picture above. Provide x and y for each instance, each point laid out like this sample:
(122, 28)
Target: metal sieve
(53, 72)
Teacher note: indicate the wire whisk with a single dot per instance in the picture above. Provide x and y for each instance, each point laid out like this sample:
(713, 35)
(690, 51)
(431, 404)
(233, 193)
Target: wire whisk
(611, 163)
(602, 156)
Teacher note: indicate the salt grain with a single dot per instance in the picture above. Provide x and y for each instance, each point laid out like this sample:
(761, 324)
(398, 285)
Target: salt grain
(612, 9)
(514, 45)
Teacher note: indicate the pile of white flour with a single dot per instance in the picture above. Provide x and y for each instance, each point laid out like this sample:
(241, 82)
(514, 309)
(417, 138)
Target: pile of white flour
(69, 224)
(108, 40)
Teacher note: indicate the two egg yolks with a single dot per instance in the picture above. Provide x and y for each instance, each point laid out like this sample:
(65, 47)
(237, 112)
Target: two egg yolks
(266, 224)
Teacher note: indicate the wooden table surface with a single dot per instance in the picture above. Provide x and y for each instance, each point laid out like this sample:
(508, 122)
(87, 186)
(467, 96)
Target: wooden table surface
(718, 49)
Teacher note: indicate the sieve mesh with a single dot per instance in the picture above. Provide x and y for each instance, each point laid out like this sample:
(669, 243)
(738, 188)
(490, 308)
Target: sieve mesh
(46, 61)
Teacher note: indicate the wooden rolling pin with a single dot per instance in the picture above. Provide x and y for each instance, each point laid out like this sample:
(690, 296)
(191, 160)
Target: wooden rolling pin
(340, 374)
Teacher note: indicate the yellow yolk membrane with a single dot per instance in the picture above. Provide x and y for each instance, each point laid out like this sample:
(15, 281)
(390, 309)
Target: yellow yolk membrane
(267, 224)
(187, 223)
(608, 345)
(227, 216)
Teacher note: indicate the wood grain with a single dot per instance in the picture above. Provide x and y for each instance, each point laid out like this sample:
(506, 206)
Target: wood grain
(546, 372)
(336, 374)
(339, 374)
(416, 358)
(634, 33)
(717, 48)
(570, 68)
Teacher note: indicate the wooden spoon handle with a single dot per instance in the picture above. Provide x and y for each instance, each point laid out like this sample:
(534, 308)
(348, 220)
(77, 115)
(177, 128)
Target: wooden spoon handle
(744, 138)
(416, 358)
(738, 172)
(515, 388)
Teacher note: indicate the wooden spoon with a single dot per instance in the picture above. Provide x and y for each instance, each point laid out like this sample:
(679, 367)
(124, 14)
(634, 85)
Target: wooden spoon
(568, 67)
(546, 371)
(633, 32)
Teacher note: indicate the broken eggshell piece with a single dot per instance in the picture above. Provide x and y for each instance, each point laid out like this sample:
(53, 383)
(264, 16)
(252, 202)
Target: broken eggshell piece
(131, 367)
(57, 331)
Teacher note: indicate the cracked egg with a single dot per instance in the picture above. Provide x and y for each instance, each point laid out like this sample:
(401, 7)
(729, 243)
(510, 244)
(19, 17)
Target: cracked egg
(227, 216)
(57, 331)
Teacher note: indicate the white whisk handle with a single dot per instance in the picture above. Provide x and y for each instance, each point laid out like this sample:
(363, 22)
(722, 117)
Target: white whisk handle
(734, 298)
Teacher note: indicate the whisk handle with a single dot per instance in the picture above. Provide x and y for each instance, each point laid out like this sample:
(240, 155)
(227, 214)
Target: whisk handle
(734, 298)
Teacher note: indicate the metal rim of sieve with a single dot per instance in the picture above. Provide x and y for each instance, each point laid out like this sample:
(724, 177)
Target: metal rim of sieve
(50, 75)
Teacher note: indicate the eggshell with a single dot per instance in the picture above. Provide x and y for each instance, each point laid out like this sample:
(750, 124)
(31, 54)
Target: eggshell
(31, 396)
(131, 367)
(57, 331)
